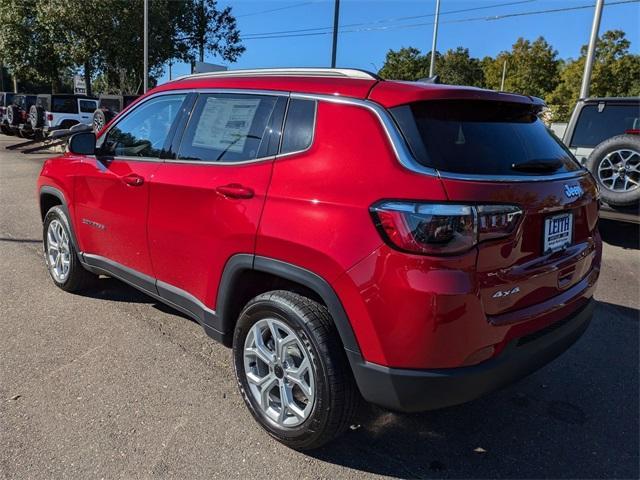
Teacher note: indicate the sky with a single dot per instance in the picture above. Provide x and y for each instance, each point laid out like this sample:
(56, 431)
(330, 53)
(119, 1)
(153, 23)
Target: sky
(369, 28)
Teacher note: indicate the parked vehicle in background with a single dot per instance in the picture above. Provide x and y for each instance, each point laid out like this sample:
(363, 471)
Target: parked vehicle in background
(6, 99)
(17, 115)
(414, 244)
(604, 134)
(61, 111)
(108, 107)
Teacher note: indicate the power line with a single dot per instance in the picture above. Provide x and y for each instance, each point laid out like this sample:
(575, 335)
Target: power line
(422, 24)
(275, 9)
(397, 19)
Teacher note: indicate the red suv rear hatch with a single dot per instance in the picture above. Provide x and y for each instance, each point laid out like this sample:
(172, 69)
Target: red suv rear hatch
(536, 209)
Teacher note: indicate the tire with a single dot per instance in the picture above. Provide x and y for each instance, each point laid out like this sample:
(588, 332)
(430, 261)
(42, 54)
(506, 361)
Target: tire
(101, 118)
(615, 164)
(13, 115)
(334, 398)
(56, 230)
(36, 117)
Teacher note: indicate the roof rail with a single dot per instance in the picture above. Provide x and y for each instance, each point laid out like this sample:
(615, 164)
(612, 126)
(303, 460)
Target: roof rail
(290, 72)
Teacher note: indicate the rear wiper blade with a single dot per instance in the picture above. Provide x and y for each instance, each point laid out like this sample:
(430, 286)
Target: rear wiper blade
(537, 166)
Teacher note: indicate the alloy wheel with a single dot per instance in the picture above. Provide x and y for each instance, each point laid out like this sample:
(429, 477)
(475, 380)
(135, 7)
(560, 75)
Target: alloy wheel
(279, 373)
(619, 171)
(58, 252)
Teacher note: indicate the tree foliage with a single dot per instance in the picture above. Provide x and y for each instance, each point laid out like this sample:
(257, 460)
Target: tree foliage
(532, 68)
(616, 73)
(457, 67)
(104, 38)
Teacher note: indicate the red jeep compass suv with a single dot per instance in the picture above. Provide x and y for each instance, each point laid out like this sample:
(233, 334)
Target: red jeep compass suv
(416, 245)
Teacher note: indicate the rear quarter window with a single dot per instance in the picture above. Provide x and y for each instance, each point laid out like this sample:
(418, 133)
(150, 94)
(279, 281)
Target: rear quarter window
(480, 137)
(299, 125)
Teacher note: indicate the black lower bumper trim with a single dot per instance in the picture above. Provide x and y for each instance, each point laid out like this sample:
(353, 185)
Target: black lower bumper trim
(407, 390)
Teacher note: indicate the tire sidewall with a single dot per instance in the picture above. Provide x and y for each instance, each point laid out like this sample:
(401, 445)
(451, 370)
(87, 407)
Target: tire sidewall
(319, 415)
(57, 213)
(630, 142)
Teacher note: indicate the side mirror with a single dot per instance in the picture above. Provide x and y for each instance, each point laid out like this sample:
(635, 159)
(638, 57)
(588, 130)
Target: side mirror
(83, 143)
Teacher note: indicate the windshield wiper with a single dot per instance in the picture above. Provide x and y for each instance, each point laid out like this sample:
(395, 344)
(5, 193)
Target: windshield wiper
(537, 166)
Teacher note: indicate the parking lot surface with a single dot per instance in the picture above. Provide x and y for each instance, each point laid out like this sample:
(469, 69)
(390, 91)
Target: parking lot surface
(111, 384)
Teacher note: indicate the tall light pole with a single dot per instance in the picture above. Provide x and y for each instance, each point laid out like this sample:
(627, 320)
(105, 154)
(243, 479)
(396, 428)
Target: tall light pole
(146, 46)
(336, 17)
(591, 51)
(432, 66)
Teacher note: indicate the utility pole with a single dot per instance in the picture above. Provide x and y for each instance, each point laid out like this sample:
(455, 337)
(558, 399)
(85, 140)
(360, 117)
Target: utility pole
(336, 17)
(146, 46)
(432, 67)
(504, 75)
(591, 52)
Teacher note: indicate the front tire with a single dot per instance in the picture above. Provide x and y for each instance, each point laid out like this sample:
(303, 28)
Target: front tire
(292, 371)
(60, 256)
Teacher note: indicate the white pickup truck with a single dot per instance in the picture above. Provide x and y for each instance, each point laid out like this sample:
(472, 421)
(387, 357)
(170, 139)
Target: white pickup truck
(61, 111)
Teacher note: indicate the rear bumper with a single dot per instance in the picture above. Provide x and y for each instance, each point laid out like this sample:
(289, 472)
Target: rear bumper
(407, 390)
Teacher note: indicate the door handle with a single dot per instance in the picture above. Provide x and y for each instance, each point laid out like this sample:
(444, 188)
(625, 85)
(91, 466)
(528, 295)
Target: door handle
(133, 180)
(234, 190)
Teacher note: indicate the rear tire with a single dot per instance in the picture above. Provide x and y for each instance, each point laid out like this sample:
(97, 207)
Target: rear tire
(310, 370)
(60, 255)
(615, 164)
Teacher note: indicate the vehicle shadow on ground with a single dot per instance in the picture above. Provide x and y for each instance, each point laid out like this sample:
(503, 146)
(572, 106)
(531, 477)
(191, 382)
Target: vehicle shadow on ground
(557, 423)
(108, 288)
(620, 234)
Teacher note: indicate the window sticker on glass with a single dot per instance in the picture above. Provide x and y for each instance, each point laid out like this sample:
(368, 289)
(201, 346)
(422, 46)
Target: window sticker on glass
(225, 123)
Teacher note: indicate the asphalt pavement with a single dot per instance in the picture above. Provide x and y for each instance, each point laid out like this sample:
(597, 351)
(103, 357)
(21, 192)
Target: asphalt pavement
(111, 384)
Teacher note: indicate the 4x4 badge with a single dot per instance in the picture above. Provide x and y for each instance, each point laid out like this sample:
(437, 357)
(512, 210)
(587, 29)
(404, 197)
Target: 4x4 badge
(572, 190)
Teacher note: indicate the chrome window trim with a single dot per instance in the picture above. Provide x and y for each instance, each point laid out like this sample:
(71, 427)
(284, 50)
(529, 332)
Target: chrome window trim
(406, 159)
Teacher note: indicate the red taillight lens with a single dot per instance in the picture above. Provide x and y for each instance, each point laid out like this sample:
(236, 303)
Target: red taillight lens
(50, 117)
(436, 229)
(632, 131)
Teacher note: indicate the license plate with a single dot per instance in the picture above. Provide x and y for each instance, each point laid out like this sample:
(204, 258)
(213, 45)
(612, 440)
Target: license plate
(558, 232)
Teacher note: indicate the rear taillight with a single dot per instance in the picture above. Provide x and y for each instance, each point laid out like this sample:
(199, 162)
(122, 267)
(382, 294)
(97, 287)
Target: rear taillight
(50, 117)
(632, 131)
(437, 229)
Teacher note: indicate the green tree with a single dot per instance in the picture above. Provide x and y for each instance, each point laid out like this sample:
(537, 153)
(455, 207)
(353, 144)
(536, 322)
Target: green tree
(532, 68)
(208, 29)
(26, 47)
(457, 67)
(616, 73)
(406, 64)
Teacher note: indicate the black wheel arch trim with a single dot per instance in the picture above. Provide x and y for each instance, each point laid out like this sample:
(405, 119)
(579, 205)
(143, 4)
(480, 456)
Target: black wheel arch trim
(49, 190)
(240, 263)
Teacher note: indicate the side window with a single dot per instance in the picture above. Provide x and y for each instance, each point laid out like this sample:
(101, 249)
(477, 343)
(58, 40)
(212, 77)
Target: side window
(143, 132)
(228, 128)
(87, 106)
(64, 105)
(299, 125)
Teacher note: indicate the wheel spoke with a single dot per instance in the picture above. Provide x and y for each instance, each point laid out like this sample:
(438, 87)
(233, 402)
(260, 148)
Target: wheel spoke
(265, 391)
(296, 376)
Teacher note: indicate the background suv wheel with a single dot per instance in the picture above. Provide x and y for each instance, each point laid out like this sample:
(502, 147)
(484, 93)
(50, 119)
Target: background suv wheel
(292, 371)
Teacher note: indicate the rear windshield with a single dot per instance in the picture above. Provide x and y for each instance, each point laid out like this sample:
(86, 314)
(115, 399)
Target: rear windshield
(482, 138)
(597, 123)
